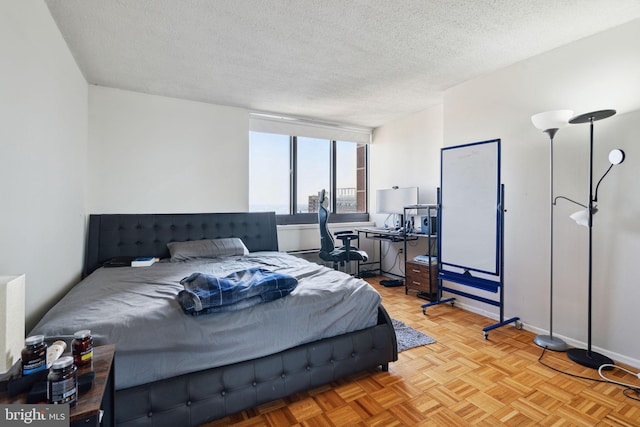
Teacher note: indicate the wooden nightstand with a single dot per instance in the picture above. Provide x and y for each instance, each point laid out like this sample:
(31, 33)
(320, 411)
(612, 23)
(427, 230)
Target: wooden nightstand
(101, 396)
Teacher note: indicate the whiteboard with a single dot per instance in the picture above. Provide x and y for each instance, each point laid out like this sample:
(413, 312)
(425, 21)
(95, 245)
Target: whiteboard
(469, 206)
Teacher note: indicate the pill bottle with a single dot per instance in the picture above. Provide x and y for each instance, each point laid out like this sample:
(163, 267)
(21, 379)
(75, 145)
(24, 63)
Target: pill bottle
(82, 347)
(62, 381)
(34, 355)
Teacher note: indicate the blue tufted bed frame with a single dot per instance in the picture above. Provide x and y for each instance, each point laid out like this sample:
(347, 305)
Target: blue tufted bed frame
(199, 397)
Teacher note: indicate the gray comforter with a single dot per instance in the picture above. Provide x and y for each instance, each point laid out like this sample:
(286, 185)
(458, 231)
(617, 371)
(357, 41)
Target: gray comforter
(137, 309)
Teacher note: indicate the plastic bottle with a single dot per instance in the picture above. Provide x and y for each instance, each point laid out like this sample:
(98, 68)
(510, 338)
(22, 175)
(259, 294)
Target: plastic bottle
(82, 347)
(34, 355)
(62, 381)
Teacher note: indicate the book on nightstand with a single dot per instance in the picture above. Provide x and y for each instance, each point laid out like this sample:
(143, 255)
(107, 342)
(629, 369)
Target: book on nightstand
(143, 261)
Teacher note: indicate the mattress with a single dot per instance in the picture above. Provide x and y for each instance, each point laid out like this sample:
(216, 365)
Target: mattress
(136, 309)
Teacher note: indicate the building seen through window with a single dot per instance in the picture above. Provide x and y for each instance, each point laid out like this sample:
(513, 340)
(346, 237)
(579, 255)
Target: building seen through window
(346, 201)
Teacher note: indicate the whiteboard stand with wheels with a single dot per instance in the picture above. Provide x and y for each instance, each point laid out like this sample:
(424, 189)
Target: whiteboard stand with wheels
(471, 227)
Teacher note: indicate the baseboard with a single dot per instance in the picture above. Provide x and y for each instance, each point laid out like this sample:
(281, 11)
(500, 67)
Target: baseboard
(620, 358)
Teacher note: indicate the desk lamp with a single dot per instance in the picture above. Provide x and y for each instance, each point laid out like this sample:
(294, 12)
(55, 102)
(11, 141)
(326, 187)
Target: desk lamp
(549, 122)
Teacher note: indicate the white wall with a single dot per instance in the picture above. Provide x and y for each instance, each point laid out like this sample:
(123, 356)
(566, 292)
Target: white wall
(152, 154)
(599, 72)
(156, 154)
(43, 132)
(405, 153)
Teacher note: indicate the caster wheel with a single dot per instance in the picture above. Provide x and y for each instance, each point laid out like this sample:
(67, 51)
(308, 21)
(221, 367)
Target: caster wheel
(518, 324)
(424, 311)
(486, 335)
(453, 303)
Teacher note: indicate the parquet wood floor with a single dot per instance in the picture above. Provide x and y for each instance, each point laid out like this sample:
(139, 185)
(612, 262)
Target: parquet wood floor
(460, 380)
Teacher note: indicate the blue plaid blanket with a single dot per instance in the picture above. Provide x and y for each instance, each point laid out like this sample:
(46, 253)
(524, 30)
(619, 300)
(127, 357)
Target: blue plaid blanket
(205, 293)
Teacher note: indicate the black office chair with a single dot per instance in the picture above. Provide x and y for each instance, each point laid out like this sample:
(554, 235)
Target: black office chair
(328, 251)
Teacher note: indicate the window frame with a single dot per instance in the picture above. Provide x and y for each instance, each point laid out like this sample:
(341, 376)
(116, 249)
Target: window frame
(294, 218)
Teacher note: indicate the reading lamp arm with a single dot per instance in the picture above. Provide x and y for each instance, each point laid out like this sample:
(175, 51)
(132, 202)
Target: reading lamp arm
(571, 200)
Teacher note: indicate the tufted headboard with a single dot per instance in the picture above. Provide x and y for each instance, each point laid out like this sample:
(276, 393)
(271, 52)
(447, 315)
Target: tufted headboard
(136, 235)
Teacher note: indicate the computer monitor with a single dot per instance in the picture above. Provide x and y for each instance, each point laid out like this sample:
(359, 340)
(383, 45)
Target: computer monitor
(393, 200)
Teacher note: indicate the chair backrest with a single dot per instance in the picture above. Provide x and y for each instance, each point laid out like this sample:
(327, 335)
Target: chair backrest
(327, 244)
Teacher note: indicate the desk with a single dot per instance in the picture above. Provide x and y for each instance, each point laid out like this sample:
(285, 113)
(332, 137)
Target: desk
(382, 235)
(424, 285)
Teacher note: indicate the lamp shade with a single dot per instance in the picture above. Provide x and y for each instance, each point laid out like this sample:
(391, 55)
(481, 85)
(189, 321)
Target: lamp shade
(616, 156)
(551, 119)
(582, 216)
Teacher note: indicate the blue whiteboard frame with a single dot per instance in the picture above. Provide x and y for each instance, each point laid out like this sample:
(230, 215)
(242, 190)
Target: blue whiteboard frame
(469, 177)
(470, 207)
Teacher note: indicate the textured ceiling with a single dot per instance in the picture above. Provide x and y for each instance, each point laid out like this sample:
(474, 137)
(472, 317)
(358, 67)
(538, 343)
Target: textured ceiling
(359, 62)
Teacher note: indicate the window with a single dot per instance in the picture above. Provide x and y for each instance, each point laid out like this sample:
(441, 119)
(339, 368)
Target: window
(351, 176)
(269, 174)
(287, 173)
(312, 172)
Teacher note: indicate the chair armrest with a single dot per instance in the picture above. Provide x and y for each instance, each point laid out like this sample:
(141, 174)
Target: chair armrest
(346, 240)
(346, 237)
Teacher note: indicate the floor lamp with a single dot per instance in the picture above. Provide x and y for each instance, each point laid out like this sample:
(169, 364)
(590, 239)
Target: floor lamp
(549, 122)
(587, 357)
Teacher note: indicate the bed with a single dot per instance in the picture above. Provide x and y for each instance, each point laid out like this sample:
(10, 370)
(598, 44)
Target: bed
(172, 368)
